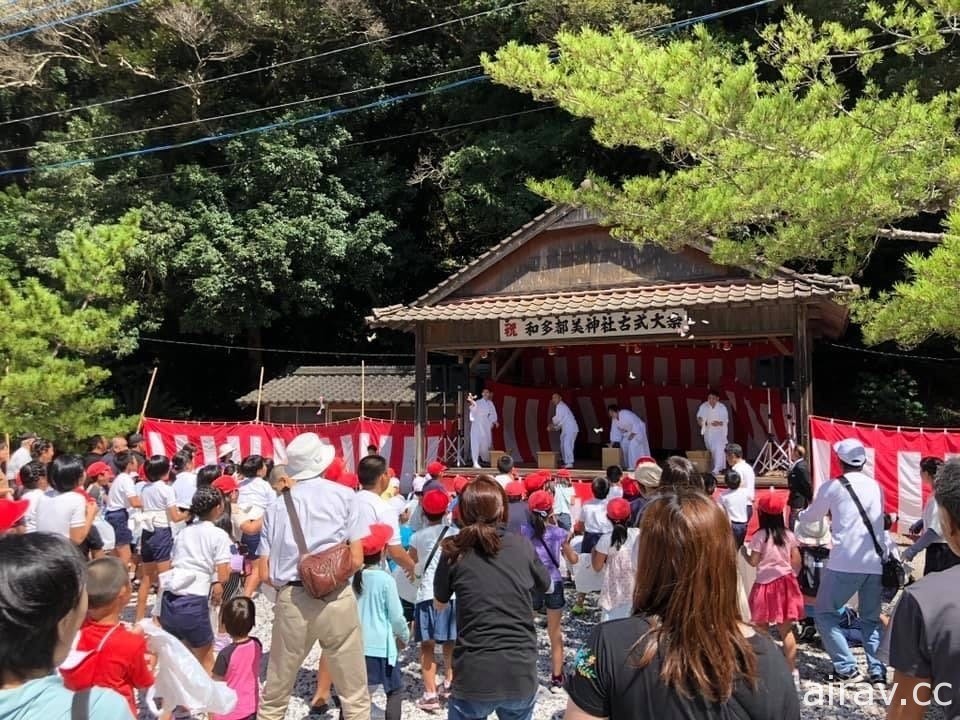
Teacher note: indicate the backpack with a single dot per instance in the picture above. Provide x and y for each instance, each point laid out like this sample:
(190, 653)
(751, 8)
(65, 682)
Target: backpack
(812, 562)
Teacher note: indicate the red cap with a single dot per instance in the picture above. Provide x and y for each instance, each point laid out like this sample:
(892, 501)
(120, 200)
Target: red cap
(226, 484)
(459, 483)
(645, 459)
(334, 469)
(515, 489)
(618, 510)
(348, 479)
(377, 540)
(541, 502)
(771, 503)
(86, 496)
(11, 512)
(436, 468)
(100, 468)
(563, 472)
(392, 473)
(631, 488)
(435, 502)
(535, 482)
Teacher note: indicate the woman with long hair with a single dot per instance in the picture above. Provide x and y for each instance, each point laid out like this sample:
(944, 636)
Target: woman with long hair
(684, 651)
(493, 574)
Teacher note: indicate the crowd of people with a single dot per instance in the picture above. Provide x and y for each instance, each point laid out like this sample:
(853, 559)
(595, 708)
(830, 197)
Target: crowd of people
(462, 568)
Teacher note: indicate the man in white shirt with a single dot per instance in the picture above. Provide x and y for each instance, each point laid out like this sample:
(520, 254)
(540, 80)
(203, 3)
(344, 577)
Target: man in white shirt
(20, 457)
(328, 514)
(854, 565)
(748, 478)
(564, 421)
(632, 432)
(483, 418)
(714, 422)
(373, 509)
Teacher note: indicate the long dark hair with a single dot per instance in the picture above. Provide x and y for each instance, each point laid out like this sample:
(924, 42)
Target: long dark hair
(483, 510)
(368, 561)
(773, 524)
(687, 554)
(41, 580)
(539, 524)
(619, 535)
(680, 473)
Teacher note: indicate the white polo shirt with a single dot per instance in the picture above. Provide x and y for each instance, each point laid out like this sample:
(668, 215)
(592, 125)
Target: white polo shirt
(748, 478)
(328, 514)
(122, 489)
(256, 492)
(184, 488)
(198, 549)
(59, 513)
(373, 509)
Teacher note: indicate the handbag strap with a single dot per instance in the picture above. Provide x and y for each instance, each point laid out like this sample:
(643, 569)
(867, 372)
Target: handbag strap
(552, 558)
(863, 516)
(436, 546)
(80, 707)
(295, 525)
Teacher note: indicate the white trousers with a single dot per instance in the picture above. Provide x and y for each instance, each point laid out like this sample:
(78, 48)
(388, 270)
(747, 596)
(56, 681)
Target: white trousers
(717, 443)
(567, 440)
(481, 438)
(634, 450)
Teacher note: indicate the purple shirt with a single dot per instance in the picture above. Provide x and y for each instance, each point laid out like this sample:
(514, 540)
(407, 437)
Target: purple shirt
(548, 548)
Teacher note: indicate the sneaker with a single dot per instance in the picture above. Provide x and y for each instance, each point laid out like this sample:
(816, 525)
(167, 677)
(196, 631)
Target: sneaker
(556, 684)
(429, 704)
(444, 690)
(878, 678)
(808, 633)
(854, 676)
(796, 679)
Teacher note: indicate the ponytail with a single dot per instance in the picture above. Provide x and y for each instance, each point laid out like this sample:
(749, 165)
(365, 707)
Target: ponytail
(619, 535)
(482, 538)
(358, 583)
(539, 523)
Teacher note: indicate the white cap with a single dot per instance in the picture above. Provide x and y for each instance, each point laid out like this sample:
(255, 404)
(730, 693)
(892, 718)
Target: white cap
(224, 450)
(394, 482)
(418, 482)
(851, 452)
(308, 456)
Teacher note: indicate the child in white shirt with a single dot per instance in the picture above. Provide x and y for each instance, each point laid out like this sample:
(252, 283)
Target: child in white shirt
(255, 495)
(736, 503)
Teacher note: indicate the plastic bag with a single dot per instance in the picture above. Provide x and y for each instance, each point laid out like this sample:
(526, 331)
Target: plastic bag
(181, 679)
(585, 578)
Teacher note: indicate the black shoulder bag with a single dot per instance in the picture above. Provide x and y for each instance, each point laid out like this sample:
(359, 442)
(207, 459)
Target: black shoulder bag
(892, 575)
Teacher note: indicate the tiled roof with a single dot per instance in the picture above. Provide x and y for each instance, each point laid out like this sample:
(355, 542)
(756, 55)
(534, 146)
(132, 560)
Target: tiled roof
(338, 384)
(686, 295)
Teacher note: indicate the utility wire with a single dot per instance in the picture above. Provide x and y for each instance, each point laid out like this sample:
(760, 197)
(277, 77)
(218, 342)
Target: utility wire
(325, 353)
(335, 113)
(272, 66)
(899, 355)
(64, 21)
(35, 11)
(248, 131)
(240, 113)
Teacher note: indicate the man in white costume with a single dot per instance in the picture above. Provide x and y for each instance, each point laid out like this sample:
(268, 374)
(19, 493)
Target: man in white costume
(632, 431)
(483, 418)
(564, 421)
(714, 421)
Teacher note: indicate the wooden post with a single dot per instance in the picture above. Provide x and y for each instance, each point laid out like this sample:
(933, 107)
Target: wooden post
(146, 400)
(803, 355)
(259, 395)
(363, 387)
(420, 395)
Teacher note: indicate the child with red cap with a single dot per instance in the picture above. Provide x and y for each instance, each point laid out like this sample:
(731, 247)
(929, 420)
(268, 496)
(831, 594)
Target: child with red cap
(549, 543)
(615, 556)
(517, 513)
(382, 620)
(563, 499)
(432, 626)
(775, 598)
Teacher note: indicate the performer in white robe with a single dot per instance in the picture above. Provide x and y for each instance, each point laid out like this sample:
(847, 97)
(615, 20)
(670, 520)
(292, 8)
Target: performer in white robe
(633, 435)
(714, 422)
(483, 418)
(564, 421)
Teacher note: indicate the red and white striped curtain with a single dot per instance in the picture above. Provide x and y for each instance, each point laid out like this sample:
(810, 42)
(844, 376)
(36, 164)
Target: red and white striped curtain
(351, 438)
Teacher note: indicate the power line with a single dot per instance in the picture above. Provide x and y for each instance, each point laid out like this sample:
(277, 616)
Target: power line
(899, 355)
(240, 113)
(248, 131)
(680, 24)
(35, 11)
(64, 21)
(272, 66)
(324, 353)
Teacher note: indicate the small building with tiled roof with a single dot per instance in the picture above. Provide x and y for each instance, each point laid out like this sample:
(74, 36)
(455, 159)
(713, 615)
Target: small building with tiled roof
(328, 393)
(563, 304)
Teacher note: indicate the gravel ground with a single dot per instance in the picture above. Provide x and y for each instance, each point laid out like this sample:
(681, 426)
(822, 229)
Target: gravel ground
(813, 663)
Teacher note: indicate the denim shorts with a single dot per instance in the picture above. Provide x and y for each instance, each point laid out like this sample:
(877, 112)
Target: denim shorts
(553, 599)
(187, 618)
(458, 709)
(430, 625)
(120, 522)
(156, 546)
(251, 543)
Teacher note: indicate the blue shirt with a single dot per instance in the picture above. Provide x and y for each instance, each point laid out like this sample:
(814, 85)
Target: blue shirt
(47, 698)
(381, 615)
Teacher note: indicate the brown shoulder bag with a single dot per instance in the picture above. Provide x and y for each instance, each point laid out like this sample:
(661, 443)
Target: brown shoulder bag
(322, 573)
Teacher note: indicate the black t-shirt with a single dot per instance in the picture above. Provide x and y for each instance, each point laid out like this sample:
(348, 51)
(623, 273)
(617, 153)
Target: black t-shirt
(496, 653)
(605, 683)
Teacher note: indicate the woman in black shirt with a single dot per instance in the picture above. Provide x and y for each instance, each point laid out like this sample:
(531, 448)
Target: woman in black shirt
(684, 653)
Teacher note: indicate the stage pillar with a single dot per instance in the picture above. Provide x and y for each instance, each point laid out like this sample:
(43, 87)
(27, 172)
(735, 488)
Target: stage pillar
(420, 396)
(803, 356)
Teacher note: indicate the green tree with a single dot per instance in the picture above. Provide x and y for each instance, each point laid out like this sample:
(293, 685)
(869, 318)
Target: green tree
(787, 150)
(57, 323)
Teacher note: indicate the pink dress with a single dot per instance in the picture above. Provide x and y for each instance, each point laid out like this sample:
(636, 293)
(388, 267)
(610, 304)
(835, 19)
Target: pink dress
(775, 597)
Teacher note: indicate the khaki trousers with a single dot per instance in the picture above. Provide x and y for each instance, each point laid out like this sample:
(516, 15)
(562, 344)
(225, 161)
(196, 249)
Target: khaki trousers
(298, 622)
